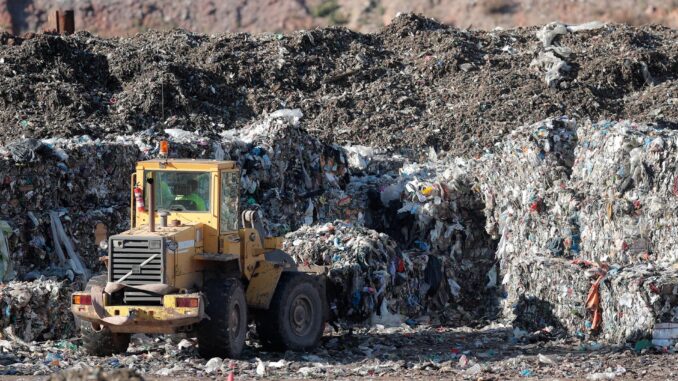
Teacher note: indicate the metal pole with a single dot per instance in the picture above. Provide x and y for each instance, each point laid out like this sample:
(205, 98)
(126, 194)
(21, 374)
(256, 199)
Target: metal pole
(151, 205)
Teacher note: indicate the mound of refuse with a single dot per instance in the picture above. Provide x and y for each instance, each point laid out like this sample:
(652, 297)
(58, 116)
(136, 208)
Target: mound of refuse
(290, 176)
(405, 86)
(371, 279)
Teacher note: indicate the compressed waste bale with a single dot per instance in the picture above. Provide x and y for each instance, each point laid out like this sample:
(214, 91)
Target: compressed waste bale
(85, 180)
(293, 177)
(628, 174)
(366, 268)
(599, 192)
(550, 190)
(547, 291)
(635, 298)
(38, 310)
(372, 280)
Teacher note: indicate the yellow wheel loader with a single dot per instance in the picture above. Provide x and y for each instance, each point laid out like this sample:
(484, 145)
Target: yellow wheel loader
(192, 263)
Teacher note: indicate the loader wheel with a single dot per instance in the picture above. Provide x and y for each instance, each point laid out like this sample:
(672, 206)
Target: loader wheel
(98, 280)
(296, 315)
(101, 341)
(222, 333)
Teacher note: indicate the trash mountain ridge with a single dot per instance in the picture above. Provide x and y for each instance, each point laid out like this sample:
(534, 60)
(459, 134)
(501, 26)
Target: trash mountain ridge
(405, 86)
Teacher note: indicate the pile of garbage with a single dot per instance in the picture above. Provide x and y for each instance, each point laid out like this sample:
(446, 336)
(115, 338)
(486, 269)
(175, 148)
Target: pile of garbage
(560, 226)
(37, 310)
(579, 211)
(289, 175)
(432, 209)
(427, 202)
(367, 269)
(84, 181)
(427, 264)
(406, 86)
(370, 279)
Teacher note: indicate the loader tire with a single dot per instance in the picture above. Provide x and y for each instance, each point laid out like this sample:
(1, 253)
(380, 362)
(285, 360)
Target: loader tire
(222, 333)
(98, 340)
(101, 341)
(99, 280)
(295, 319)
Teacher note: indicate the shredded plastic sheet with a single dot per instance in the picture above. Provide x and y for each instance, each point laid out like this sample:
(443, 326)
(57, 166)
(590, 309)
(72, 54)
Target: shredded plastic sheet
(5, 255)
(552, 59)
(60, 238)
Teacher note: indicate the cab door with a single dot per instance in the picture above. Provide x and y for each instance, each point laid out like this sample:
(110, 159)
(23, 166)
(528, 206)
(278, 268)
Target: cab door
(229, 241)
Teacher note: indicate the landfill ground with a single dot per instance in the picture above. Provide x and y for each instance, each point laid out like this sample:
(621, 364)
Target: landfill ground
(416, 353)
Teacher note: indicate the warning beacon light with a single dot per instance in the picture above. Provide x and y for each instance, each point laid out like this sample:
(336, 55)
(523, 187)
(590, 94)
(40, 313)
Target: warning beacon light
(164, 148)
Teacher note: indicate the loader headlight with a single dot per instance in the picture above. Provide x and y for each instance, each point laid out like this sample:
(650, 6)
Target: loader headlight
(117, 243)
(171, 245)
(103, 245)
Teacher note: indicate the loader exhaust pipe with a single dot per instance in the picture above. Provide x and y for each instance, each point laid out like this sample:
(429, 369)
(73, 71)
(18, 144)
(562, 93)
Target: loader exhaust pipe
(151, 205)
(163, 218)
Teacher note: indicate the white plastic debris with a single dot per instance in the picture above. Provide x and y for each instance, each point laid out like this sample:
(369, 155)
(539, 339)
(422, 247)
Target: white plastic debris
(213, 364)
(261, 368)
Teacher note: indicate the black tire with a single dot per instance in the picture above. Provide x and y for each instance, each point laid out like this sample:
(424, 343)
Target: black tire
(223, 333)
(295, 319)
(98, 340)
(101, 341)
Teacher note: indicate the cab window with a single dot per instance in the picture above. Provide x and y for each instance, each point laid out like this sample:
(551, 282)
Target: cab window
(181, 191)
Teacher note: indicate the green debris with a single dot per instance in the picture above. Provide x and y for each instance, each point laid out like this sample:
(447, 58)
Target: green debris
(643, 344)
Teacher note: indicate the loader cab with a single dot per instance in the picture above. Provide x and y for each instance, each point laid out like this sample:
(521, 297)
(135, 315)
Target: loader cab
(203, 193)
